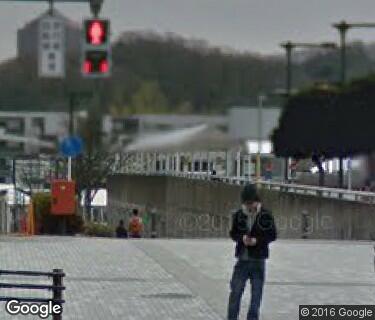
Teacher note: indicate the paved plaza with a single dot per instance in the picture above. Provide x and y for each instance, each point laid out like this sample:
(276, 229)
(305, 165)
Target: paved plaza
(188, 279)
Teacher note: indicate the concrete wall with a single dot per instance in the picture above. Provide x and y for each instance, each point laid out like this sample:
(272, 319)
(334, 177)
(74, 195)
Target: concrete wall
(193, 208)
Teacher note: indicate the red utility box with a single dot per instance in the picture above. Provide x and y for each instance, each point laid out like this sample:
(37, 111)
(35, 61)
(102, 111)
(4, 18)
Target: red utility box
(63, 197)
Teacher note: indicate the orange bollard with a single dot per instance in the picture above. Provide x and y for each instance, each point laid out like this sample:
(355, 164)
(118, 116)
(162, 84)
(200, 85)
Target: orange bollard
(31, 220)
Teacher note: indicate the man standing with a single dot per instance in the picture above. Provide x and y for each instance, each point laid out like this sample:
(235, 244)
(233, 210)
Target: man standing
(253, 228)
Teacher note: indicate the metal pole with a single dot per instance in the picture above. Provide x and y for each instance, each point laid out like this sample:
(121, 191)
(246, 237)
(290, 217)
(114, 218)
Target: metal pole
(13, 211)
(178, 162)
(57, 291)
(71, 130)
(208, 164)
(238, 163)
(226, 163)
(72, 99)
(50, 10)
(349, 174)
(343, 28)
(260, 119)
(200, 162)
(69, 168)
(289, 49)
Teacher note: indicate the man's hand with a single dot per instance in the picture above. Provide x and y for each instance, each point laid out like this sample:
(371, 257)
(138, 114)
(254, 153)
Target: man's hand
(248, 241)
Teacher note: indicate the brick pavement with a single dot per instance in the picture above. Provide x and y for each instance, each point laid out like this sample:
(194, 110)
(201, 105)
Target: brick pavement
(188, 279)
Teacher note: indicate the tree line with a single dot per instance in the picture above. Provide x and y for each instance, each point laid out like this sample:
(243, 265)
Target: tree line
(166, 73)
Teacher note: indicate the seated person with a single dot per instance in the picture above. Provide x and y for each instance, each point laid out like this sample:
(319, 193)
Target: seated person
(121, 232)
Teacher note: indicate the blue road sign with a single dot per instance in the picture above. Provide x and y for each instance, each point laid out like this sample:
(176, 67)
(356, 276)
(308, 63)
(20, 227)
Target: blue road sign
(71, 146)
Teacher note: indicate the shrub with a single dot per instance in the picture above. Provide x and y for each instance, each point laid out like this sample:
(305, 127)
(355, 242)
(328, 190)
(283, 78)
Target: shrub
(98, 230)
(50, 224)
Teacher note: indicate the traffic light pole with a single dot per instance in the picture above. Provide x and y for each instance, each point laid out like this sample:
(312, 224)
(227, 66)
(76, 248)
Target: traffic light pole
(71, 130)
(95, 5)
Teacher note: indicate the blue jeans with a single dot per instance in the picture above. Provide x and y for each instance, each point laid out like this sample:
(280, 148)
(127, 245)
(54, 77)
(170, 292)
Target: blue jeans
(253, 269)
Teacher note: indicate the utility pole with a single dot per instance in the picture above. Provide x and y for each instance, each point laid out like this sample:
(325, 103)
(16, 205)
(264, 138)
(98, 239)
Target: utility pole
(343, 27)
(261, 99)
(288, 46)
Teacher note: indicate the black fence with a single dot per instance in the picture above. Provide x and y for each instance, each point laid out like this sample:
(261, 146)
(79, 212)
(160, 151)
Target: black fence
(56, 288)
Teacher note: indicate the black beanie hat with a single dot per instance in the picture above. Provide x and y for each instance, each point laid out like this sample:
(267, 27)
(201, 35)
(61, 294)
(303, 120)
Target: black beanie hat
(249, 193)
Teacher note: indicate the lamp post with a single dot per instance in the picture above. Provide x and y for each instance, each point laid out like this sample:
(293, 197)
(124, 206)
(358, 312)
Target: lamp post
(261, 99)
(74, 99)
(289, 46)
(343, 27)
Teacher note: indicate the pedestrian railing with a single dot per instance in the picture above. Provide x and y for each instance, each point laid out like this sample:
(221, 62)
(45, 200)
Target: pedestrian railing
(57, 288)
(315, 191)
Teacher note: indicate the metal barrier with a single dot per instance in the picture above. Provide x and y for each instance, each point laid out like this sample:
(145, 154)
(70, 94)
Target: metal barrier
(57, 288)
(315, 191)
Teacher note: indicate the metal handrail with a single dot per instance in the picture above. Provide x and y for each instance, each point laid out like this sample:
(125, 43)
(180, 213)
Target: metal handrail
(30, 286)
(32, 273)
(324, 192)
(57, 287)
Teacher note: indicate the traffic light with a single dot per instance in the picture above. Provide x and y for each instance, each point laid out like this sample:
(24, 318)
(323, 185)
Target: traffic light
(96, 61)
(96, 32)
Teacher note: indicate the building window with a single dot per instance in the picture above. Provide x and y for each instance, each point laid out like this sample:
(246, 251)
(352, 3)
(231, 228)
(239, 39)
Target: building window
(38, 126)
(15, 125)
(56, 35)
(130, 126)
(46, 26)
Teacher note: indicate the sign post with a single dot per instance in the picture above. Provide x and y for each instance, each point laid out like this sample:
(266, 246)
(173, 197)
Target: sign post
(71, 147)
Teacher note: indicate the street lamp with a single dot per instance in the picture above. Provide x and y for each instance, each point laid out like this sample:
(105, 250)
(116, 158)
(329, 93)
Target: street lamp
(289, 46)
(261, 99)
(343, 27)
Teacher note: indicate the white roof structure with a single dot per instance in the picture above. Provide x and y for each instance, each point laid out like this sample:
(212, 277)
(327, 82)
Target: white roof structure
(198, 138)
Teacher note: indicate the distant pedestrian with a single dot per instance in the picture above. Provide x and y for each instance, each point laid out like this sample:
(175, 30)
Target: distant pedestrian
(135, 225)
(121, 231)
(253, 228)
(268, 173)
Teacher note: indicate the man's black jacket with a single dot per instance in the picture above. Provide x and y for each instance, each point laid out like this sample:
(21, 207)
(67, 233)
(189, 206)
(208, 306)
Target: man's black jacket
(263, 229)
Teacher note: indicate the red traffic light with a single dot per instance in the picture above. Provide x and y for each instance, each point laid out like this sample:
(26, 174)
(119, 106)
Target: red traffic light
(96, 63)
(96, 32)
(87, 67)
(104, 66)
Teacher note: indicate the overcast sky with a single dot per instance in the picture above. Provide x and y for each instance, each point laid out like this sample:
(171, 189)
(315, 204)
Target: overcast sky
(253, 25)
